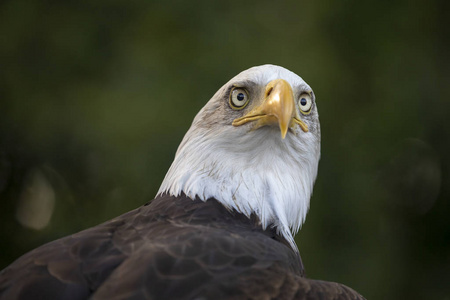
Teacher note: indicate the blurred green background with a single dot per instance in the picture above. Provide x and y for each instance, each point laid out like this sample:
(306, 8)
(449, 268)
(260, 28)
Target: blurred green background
(95, 97)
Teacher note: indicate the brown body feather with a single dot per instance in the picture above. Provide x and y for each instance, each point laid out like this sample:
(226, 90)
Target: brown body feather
(172, 248)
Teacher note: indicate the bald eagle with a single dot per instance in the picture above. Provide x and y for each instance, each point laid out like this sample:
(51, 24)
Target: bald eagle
(223, 222)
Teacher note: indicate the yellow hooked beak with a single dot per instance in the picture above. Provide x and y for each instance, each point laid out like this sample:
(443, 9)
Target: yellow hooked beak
(278, 107)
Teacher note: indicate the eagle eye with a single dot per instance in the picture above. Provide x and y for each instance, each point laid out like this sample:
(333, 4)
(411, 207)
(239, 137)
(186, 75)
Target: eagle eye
(305, 103)
(238, 98)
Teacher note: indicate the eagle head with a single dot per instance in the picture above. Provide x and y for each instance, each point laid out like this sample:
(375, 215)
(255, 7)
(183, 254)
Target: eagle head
(254, 147)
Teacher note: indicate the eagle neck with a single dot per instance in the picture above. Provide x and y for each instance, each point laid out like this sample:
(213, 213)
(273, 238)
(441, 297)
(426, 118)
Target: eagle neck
(259, 174)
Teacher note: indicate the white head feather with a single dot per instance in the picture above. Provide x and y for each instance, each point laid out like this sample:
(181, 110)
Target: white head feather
(251, 171)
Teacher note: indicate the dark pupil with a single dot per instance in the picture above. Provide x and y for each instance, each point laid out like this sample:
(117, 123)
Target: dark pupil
(240, 96)
(303, 101)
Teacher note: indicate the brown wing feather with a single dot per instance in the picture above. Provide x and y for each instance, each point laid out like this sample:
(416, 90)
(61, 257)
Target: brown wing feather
(274, 283)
